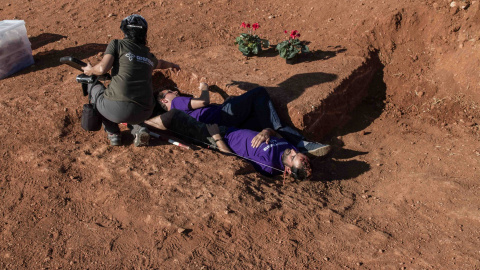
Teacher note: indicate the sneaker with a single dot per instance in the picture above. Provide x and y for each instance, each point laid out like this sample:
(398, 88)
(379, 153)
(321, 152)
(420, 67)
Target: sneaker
(142, 137)
(315, 149)
(115, 139)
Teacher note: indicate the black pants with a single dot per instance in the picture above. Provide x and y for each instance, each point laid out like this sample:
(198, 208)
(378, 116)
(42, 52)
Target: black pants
(254, 110)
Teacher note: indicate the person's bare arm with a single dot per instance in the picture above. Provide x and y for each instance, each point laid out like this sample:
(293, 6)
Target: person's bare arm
(215, 133)
(204, 98)
(101, 68)
(162, 64)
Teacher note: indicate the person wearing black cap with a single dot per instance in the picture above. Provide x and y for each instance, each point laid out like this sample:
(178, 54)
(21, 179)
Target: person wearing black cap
(129, 96)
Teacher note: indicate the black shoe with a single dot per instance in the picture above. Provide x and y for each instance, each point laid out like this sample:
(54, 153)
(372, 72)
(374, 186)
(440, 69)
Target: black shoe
(82, 78)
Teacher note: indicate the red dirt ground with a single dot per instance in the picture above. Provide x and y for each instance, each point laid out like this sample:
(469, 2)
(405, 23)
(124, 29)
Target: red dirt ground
(401, 191)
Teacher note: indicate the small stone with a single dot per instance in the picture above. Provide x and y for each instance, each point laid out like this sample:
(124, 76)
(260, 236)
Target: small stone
(420, 94)
(453, 4)
(181, 230)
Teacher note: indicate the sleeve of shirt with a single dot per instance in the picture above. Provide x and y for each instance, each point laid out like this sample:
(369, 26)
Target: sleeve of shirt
(111, 48)
(181, 103)
(266, 170)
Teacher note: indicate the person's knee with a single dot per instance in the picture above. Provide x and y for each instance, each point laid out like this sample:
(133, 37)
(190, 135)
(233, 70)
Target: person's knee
(260, 90)
(96, 91)
(168, 117)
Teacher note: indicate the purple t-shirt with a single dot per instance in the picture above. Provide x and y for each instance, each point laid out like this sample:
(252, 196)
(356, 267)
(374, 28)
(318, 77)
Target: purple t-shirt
(263, 157)
(210, 114)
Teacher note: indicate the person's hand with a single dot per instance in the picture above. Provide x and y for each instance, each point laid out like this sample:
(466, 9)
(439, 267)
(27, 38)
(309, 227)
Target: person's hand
(262, 136)
(203, 86)
(88, 69)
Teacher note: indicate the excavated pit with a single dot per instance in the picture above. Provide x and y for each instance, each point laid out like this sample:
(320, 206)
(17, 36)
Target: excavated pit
(316, 97)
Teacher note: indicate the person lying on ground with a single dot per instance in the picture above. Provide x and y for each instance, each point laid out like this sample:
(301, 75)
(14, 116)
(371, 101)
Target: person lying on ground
(269, 155)
(252, 110)
(129, 96)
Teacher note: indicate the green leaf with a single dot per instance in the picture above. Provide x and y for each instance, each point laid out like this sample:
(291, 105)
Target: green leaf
(255, 50)
(292, 53)
(305, 49)
(281, 46)
(296, 42)
(244, 49)
(283, 53)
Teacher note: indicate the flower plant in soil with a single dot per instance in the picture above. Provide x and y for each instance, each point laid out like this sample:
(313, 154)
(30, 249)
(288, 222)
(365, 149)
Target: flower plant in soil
(289, 48)
(249, 43)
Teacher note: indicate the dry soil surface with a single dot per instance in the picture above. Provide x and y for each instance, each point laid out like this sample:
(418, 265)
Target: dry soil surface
(401, 190)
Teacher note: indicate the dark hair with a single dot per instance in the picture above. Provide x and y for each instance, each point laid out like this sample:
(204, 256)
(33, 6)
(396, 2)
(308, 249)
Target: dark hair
(135, 28)
(303, 171)
(159, 98)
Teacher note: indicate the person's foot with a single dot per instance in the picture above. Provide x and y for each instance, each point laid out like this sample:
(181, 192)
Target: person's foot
(142, 137)
(203, 86)
(115, 139)
(315, 149)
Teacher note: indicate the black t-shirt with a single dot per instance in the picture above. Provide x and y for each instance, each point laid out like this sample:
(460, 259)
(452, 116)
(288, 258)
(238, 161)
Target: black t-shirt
(131, 73)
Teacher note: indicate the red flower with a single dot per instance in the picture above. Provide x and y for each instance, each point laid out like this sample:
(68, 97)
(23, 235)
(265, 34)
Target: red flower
(286, 31)
(243, 25)
(293, 34)
(248, 25)
(255, 26)
(298, 35)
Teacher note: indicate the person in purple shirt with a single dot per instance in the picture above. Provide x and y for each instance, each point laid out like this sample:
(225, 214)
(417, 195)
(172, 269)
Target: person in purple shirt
(268, 154)
(252, 110)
